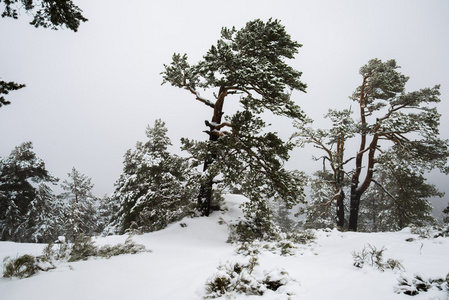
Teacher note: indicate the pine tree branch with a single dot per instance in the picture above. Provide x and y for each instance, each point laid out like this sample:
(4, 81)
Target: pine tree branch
(197, 94)
(384, 189)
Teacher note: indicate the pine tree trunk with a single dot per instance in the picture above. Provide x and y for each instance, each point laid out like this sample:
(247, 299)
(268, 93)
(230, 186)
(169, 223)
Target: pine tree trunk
(340, 210)
(205, 194)
(354, 208)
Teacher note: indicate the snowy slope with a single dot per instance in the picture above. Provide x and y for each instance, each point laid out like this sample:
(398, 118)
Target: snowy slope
(183, 258)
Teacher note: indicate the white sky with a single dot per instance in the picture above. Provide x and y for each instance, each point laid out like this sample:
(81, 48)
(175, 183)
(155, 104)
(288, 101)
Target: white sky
(91, 94)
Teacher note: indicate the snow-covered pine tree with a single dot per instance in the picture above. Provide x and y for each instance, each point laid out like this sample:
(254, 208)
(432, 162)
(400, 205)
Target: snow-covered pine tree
(333, 176)
(45, 218)
(250, 62)
(107, 213)
(399, 196)
(154, 189)
(320, 212)
(389, 116)
(251, 160)
(391, 119)
(282, 217)
(80, 205)
(19, 173)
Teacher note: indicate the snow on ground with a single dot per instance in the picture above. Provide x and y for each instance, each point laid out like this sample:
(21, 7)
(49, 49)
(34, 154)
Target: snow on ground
(184, 257)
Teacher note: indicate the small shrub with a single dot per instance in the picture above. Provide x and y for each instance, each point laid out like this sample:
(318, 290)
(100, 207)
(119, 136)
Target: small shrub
(422, 232)
(286, 247)
(442, 232)
(130, 247)
(21, 267)
(412, 286)
(82, 248)
(245, 231)
(248, 249)
(394, 264)
(285, 244)
(218, 286)
(373, 257)
(282, 247)
(302, 237)
(48, 253)
(240, 278)
(234, 277)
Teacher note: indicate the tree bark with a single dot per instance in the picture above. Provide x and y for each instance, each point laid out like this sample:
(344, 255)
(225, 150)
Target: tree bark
(339, 178)
(354, 208)
(340, 210)
(205, 193)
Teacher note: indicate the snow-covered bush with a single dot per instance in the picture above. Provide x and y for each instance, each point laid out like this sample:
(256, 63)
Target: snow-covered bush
(234, 277)
(248, 248)
(286, 248)
(247, 231)
(422, 231)
(129, 247)
(26, 265)
(429, 232)
(373, 257)
(442, 232)
(413, 285)
(256, 225)
(82, 248)
(22, 267)
(284, 244)
(246, 278)
(300, 236)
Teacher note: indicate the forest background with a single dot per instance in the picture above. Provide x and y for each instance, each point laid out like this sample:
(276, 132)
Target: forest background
(90, 94)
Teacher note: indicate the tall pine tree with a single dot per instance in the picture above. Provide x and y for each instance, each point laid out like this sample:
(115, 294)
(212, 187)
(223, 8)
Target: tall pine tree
(391, 121)
(250, 63)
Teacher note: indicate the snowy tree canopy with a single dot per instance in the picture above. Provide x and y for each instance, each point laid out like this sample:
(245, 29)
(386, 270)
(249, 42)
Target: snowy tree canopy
(20, 173)
(80, 205)
(154, 189)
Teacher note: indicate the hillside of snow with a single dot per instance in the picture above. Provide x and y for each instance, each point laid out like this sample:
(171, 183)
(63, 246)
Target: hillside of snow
(183, 258)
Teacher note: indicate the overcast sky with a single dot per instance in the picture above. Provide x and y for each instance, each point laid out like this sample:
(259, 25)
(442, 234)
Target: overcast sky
(91, 94)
